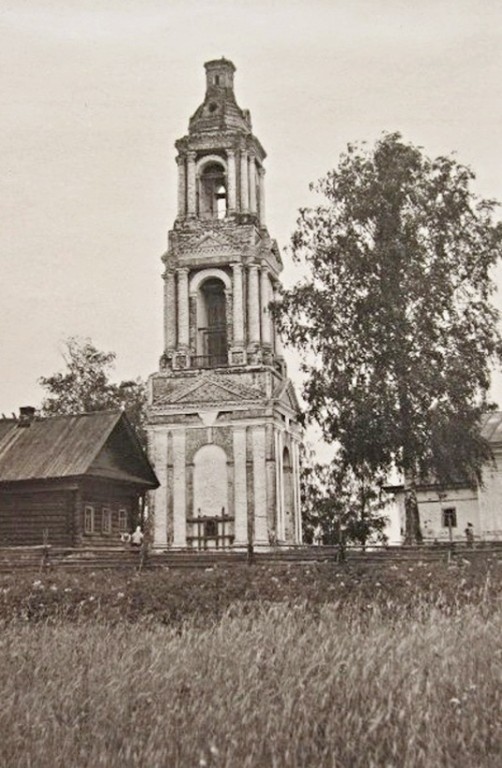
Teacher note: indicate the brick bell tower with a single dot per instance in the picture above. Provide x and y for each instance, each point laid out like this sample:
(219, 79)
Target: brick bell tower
(223, 417)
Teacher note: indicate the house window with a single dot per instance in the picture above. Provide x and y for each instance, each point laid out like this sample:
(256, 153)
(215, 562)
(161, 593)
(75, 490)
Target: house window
(449, 517)
(123, 520)
(106, 520)
(88, 519)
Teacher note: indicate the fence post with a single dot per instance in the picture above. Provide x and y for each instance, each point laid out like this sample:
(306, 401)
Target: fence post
(144, 549)
(341, 544)
(45, 550)
(450, 538)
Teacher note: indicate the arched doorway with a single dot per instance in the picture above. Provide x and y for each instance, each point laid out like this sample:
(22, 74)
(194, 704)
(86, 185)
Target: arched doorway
(210, 526)
(289, 502)
(212, 192)
(212, 324)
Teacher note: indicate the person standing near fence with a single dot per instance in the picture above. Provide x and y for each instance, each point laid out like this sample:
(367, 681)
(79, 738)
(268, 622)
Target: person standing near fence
(137, 537)
(469, 535)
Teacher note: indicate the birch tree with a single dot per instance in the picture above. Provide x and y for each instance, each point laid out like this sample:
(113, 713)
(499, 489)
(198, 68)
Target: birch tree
(396, 317)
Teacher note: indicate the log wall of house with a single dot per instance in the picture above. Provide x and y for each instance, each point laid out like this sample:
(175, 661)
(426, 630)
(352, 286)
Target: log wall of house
(28, 519)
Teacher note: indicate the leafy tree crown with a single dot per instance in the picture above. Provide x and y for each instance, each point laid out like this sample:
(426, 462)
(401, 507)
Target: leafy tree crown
(395, 317)
(84, 386)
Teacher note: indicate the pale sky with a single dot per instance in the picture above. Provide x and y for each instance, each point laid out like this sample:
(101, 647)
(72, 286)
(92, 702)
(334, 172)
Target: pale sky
(94, 95)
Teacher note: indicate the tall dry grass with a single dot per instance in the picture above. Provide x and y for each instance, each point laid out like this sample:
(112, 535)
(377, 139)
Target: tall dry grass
(277, 686)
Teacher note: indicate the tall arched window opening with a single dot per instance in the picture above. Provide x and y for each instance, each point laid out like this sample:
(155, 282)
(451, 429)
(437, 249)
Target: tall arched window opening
(212, 324)
(213, 192)
(210, 482)
(211, 525)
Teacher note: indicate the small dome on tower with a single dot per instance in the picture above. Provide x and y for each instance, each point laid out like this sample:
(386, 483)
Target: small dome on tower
(219, 110)
(219, 73)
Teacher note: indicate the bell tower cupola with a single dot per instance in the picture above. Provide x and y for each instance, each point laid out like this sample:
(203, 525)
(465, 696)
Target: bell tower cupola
(220, 162)
(222, 369)
(219, 75)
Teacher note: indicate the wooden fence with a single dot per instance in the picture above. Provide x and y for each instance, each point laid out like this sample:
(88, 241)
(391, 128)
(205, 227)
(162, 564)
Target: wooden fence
(47, 557)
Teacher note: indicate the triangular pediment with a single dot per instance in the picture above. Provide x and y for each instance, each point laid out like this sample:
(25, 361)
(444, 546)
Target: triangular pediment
(212, 391)
(286, 395)
(210, 242)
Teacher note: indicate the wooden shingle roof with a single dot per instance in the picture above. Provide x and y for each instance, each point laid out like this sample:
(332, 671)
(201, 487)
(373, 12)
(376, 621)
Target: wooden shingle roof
(66, 446)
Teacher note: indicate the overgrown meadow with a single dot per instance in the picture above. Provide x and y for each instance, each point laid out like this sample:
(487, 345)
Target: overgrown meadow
(330, 665)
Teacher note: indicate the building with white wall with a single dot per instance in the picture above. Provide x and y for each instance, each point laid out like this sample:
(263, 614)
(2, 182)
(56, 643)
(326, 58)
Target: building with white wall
(445, 512)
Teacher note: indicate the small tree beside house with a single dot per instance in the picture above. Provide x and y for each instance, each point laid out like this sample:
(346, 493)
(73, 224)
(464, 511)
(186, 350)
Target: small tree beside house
(339, 507)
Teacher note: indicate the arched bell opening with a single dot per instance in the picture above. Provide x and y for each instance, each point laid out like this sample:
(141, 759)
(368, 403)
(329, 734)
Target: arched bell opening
(212, 344)
(212, 191)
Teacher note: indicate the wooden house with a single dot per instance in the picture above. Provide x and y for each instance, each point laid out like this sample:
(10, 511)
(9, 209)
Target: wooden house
(70, 480)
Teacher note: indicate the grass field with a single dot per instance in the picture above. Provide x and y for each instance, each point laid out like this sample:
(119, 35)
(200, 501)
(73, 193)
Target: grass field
(392, 666)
